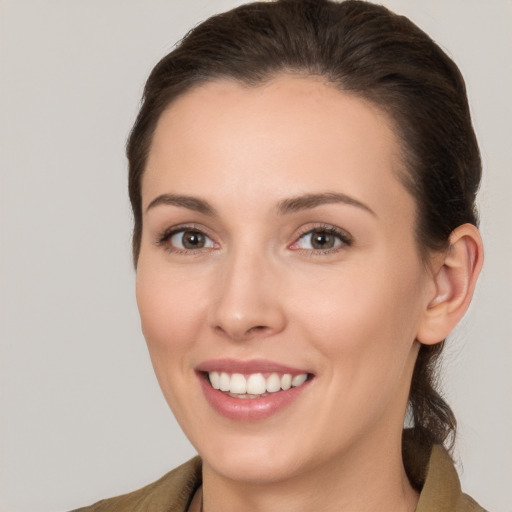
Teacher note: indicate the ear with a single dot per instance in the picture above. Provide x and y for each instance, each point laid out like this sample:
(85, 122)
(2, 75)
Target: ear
(455, 273)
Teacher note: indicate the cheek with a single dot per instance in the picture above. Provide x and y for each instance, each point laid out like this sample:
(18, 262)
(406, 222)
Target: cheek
(366, 338)
(365, 318)
(170, 308)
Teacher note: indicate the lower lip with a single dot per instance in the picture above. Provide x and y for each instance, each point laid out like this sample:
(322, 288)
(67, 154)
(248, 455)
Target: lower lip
(249, 409)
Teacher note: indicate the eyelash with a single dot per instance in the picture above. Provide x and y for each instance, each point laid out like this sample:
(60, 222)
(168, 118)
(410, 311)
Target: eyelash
(164, 237)
(344, 237)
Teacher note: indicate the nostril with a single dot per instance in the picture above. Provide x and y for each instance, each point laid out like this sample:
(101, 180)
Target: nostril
(257, 328)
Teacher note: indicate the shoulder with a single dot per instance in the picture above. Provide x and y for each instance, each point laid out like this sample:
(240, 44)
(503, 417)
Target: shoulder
(442, 491)
(171, 493)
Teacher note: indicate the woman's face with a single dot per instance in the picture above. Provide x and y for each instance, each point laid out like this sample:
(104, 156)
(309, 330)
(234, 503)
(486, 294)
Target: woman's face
(278, 244)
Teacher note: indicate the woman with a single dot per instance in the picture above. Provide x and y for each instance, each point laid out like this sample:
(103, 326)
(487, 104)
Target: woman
(303, 178)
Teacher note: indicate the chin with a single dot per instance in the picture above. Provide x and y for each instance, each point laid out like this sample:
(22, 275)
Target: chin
(252, 467)
(257, 457)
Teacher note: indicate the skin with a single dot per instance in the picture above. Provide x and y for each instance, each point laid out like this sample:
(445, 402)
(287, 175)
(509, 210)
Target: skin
(350, 316)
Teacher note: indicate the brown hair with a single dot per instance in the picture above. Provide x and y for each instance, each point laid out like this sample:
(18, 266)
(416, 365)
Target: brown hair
(368, 51)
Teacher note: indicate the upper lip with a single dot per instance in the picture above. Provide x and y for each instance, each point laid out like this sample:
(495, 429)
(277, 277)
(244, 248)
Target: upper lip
(247, 367)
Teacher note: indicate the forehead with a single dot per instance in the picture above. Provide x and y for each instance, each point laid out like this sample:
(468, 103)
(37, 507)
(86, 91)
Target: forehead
(291, 133)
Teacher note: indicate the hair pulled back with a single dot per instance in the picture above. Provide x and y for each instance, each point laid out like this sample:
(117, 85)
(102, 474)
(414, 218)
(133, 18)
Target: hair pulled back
(366, 50)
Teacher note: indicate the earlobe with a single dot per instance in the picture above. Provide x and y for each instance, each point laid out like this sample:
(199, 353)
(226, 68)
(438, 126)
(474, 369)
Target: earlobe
(454, 279)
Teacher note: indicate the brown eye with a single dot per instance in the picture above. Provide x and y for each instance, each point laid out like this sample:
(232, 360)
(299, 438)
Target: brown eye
(322, 239)
(190, 240)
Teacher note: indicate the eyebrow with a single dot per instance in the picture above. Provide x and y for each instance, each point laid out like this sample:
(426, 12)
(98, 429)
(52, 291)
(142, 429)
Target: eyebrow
(308, 201)
(189, 202)
(287, 206)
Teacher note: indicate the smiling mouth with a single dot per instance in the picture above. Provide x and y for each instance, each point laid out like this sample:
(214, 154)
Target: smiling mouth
(254, 385)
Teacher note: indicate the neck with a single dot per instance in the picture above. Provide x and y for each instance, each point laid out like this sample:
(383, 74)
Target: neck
(367, 478)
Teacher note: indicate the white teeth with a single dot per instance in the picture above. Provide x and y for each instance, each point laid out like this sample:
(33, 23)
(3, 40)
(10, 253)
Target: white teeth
(274, 383)
(299, 379)
(224, 382)
(255, 384)
(215, 380)
(238, 384)
(286, 381)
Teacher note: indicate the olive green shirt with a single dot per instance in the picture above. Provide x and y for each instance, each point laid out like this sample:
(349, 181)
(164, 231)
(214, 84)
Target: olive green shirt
(441, 490)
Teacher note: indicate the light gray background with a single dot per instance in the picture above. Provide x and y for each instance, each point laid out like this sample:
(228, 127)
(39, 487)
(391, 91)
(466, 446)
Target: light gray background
(82, 417)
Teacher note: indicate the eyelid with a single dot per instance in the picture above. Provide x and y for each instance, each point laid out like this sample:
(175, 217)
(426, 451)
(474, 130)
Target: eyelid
(345, 237)
(163, 237)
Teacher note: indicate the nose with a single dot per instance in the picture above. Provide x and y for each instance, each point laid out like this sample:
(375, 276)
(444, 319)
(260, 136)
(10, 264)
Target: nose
(247, 300)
